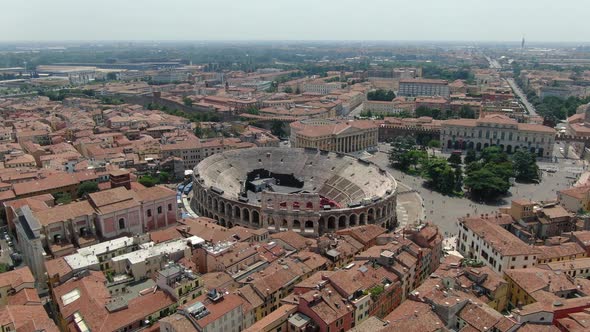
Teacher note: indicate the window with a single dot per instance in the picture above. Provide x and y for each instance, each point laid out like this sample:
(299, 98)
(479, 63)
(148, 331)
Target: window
(122, 223)
(149, 212)
(159, 209)
(169, 207)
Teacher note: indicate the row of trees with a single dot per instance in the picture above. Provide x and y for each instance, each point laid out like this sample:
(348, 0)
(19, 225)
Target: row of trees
(381, 95)
(487, 175)
(464, 112)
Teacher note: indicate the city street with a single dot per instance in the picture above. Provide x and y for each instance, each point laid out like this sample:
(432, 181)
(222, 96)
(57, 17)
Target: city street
(530, 108)
(444, 210)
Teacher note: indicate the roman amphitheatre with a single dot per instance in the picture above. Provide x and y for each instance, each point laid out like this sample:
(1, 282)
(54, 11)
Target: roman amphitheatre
(304, 190)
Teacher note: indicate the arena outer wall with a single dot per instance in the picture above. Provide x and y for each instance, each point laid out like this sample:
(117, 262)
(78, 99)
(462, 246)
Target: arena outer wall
(300, 212)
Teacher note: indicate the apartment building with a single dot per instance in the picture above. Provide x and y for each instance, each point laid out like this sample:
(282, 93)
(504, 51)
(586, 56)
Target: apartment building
(192, 151)
(321, 87)
(482, 239)
(415, 87)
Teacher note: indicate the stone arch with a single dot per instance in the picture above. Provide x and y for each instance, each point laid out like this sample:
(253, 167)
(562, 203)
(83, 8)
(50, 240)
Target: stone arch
(501, 147)
(331, 223)
(230, 224)
(478, 147)
(309, 226)
(378, 213)
(215, 207)
(309, 205)
(371, 216)
(271, 221)
(222, 222)
(456, 145)
(449, 144)
(342, 222)
(509, 148)
(296, 225)
(228, 209)
(255, 218)
(221, 207)
(362, 219)
(540, 152)
(209, 201)
(237, 212)
(352, 220)
(486, 145)
(321, 224)
(470, 145)
(246, 215)
(532, 150)
(216, 218)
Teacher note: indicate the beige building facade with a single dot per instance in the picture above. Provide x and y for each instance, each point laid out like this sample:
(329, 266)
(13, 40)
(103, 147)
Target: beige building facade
(497, 130)
(335, 135)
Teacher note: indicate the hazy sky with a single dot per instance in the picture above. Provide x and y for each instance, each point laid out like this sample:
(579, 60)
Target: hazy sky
(489, 20)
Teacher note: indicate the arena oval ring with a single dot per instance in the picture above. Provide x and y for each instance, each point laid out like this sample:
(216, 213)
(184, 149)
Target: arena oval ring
(308, 191)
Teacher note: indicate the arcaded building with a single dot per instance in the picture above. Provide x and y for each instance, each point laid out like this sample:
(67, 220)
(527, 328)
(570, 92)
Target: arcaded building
(335, 135)
(304, 190)
(497, 130)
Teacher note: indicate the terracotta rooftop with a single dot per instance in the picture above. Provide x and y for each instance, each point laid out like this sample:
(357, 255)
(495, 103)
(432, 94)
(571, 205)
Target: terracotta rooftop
(413, 316)
(498, 238)
(54, 181)
(27, 318)
(566, 250)
(155, 193)
(64, 212)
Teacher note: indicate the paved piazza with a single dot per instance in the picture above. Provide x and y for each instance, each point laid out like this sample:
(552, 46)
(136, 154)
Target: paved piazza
(444, 210)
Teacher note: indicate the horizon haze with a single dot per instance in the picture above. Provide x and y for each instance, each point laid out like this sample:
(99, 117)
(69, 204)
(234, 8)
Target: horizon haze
(305, 20)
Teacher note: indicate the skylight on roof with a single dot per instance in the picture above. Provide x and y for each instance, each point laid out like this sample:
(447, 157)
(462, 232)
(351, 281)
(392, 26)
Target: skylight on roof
(70, 297)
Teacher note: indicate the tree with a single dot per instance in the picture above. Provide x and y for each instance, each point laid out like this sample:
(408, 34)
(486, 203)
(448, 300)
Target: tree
(87, 188)
(62, 198)
(198, 130)
(466, 112)
(440, 175)
(525, 166)
(493, 154)
(111, 76)
(484, 183)
(458, 179)
(455, 159)
(148, 181)
(288, 89)
(381, 95)
(434, 143)
(470, 157)
(398, 155)
(163, 177)
(423, 111)
(252, 110)
(187, 101)
(276, 128)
